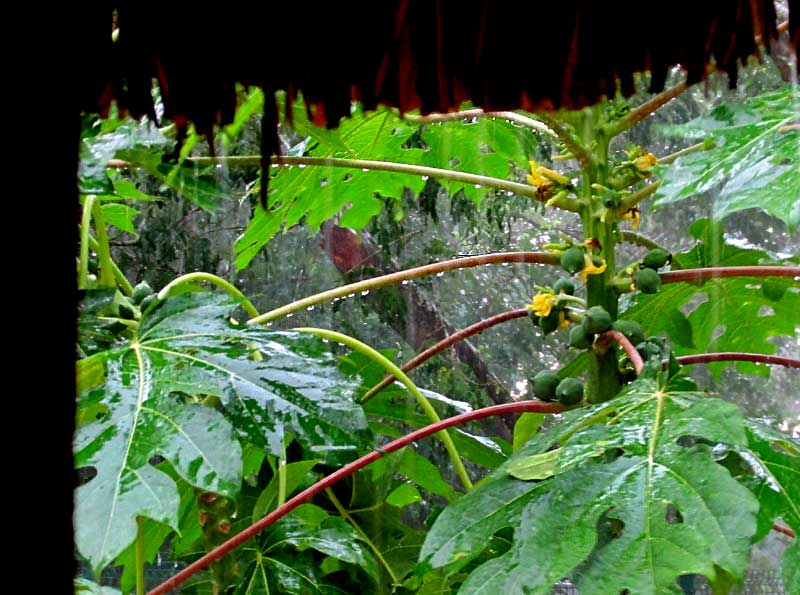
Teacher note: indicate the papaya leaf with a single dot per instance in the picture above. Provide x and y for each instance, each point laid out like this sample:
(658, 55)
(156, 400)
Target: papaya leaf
(755, 162)
(186, 351)
(310, 527)
(775, 463)
(638, 501)
(737, 314)
(316, 193)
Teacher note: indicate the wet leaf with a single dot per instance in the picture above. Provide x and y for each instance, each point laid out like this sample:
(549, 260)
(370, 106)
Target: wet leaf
(732, 315)
(120, 216)
(637, 501)
(186, 350)
(755, 162)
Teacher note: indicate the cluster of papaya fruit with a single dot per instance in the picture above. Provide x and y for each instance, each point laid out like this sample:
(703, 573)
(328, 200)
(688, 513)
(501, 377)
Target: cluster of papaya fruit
(547, 385)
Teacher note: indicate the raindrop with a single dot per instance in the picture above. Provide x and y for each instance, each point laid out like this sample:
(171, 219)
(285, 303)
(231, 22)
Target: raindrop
(349, 295)
(364, 169)
(424, 178)
(326, 341)
(269, 324)
(405, 282)
(440, 274)
(310, 308)
(289, 315)
(365, 292)
(302, 166)
(477, 185)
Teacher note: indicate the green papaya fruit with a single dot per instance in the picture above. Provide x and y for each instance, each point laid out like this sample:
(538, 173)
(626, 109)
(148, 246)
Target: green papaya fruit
(564, 286)
(579, 338)
(572, 260)
(656, 258)
(648, 350)
(632, 330)
(549, 323)
(544, 385)
(569, 391)
(596, 320)
(141, 291)
(647, 280)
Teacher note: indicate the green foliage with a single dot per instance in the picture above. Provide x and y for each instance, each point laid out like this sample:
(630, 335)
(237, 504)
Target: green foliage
(716, 324)
(192, 425)
(148, 403)
(671, 508)
(754, 164)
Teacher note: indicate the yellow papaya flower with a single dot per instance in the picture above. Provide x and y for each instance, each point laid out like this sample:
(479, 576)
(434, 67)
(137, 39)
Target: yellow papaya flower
(542, 304)
(645, 162)
(535, 178)
(591, 269)
(634, 215)
(563, 321)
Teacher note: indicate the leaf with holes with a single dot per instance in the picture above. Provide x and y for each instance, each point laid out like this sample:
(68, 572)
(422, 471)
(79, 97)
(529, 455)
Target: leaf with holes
(637, 500)
(150, 398)
(755, 163)
(316, 193)
(739, 314)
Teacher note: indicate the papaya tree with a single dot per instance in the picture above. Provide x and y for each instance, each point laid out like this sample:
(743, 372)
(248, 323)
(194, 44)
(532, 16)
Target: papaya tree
(274, 466)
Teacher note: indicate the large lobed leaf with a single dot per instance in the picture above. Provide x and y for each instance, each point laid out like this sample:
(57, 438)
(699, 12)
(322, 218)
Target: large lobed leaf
(146, 398)
(637, 499)
(739, 314)
(316, 193)
(755, 162)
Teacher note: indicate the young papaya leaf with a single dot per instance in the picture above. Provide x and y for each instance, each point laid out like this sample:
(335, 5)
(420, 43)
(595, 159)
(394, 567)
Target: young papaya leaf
(648, 472)
(754, 162)
(738, 314)
(188, 351)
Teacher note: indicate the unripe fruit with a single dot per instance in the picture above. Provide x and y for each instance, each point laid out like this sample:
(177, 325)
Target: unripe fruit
(578, 338)
(569, 391)
(141, 291)
(146, 302)
(572, 260)
(549, 323)
(544, 385)
(648, 350)
(632, 330)
(647, 281)
(596, 320)
(656, 258)
(564, 286)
